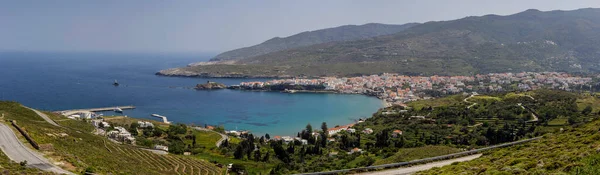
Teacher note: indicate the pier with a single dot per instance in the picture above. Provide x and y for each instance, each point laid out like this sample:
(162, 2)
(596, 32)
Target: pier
(164, 119)
(98, 109)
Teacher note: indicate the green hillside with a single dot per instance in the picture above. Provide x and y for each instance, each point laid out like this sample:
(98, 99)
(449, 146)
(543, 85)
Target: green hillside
(78, 150)
(572, 151)
(528, 41)
(342, 33)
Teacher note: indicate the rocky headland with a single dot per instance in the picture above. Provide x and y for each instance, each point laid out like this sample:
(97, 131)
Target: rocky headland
(210, 86)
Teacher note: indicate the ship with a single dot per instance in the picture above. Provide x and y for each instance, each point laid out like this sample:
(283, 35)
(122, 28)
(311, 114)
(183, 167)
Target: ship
(116, 83)
(118, 110)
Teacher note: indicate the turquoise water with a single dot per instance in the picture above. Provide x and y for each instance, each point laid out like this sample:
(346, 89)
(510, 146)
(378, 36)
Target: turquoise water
(58, 81)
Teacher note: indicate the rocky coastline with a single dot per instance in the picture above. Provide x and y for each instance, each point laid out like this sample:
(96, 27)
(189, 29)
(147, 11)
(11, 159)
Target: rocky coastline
(178, 72)
(210, 86)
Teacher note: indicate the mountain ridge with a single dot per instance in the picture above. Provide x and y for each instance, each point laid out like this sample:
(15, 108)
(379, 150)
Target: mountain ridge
(532, 40)
(340, 33)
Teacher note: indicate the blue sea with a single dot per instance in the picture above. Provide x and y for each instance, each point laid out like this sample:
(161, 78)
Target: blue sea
(60, 81)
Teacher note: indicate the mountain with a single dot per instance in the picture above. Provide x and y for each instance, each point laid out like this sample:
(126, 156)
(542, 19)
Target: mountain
(342, 33)
(528, 41)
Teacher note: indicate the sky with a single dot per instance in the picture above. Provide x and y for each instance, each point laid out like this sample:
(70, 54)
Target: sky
(213, 26)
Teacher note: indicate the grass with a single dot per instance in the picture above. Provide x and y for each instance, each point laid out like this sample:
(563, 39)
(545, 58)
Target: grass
(558, 122)
(206, 139)
(251, 166)
(446, 101)
(587, 100)
(407, 154)
(566, 152)
(80, 149)
(7, 166)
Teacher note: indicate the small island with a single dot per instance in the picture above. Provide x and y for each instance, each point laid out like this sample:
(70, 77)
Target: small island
(210, 86)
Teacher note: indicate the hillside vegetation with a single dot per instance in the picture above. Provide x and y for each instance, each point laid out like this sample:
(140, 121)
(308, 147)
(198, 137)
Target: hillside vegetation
(76, 149)
(342, 33)
(572, 151)
(528, 41)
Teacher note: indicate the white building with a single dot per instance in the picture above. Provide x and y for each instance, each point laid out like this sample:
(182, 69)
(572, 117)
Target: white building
(161, 147)
(145, 124)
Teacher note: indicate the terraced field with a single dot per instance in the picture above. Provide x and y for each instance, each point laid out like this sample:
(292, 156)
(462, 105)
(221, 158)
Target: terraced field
(75, 148)
(167, 164)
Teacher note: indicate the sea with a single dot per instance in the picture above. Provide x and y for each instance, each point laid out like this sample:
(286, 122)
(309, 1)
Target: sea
(56, 81)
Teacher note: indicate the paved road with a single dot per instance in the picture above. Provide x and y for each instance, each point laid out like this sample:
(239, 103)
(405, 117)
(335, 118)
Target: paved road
(223, 136)
(465, 100)
(45, 117)
(535, 118)
(423, 167)
(16, 151)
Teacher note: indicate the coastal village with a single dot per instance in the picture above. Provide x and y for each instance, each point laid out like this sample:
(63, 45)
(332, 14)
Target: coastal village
(399, 89)
(396, 89)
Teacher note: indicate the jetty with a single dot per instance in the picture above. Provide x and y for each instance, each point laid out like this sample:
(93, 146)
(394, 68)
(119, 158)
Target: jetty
(99, 109)
(164, 119)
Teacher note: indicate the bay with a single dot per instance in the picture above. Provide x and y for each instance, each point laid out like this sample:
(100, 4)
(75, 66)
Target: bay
(59, 81)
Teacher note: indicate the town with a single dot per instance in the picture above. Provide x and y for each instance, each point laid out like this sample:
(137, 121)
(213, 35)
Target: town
(397, 89)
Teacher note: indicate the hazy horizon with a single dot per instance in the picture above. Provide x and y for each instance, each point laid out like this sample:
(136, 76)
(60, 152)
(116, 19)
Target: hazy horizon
(210, 27)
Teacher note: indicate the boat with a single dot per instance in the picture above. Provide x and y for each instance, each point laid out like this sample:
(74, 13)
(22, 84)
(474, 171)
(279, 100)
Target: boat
(116, 83)
(156, 115)
(118, 110)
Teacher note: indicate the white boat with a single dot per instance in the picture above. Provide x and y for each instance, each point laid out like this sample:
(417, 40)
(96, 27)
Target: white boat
(156, 115)
(118, 110)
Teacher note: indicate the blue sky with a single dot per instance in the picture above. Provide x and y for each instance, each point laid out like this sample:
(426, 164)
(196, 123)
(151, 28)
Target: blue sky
(219, 25)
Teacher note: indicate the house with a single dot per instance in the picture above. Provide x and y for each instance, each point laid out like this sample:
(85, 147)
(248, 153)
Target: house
(121, 134)
(210, 127)
(287, 139)
(316, 135)
(161, 147)
(368, 131)
(277, 138)
(335, 130)
(355, 150)
(304, 141)
(396, 133)
(143, 124)
(187, 153)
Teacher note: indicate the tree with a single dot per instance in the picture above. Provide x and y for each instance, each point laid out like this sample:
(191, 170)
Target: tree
(587, 110)
(266, 158)
(23, 163)
(224, 144)
(324, 128)
(257, 155)
(193, 140)
(177, 147)
(267, 136)
(158, 132)
(239, 152)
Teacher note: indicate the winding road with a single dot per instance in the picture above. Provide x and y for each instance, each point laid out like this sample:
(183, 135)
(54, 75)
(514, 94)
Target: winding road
(223, 136)
(473, 104)
(16, 151)
(423, 167)
(44, 116)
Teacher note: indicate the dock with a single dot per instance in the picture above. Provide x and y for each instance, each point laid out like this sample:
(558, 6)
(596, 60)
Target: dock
(99, 109)
(164, 119)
